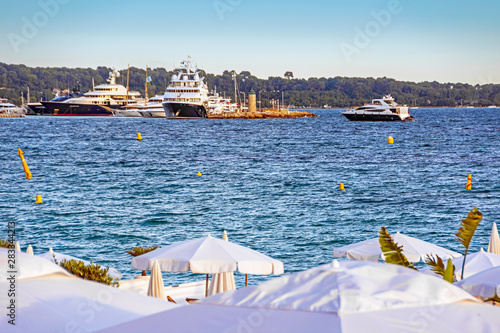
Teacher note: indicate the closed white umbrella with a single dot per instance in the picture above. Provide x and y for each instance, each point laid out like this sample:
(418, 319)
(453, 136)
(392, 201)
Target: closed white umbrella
(56, 256)
(338, 297)
(474, 263)
(49, 299)
(485, 284)
(29, 250)
(156, 287)
(414, 249)
(17, 247)
(222, 282)
(494, 244)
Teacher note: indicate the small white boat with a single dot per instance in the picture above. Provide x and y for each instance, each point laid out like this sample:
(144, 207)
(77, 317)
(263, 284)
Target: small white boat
(384, 109)
(9, 110)
(153, 108)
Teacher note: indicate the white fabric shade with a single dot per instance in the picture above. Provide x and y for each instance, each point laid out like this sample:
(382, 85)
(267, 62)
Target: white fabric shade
(222, 282)
(49, 299)
(345, 297)
(208, 255)
(60, 257)
(414, 249)
(494, 244)
(29, 250)
(485, 284)
(156, 287)
(474, 263)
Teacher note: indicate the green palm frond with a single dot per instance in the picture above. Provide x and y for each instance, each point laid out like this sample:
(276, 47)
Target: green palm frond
(449, 272)
(393, 252)
(137, 251)
(468, 227)
(467, 230)
(436, 264)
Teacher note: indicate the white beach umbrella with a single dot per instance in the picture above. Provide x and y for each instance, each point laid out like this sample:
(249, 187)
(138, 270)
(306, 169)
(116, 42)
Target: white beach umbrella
(29, 250)
(485, 284)
(474, 263)
(208, 255)
(338, 297)
(494, 244)
(222, 282)
(56, 256)
(49, 299)
(17, 246)
(156, 287)
(414, 249)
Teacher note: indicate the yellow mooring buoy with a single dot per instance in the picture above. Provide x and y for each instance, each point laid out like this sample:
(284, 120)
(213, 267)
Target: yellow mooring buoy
(27, 171)
(390, 140)
(468, 187)
(341, 187)
(139, 137)
(199, 174)
(38, 199)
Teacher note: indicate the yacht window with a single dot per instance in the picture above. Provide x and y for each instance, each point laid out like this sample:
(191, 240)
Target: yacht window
(377, 103)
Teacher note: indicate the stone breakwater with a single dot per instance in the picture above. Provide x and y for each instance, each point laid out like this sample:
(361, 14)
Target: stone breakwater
(267, 113)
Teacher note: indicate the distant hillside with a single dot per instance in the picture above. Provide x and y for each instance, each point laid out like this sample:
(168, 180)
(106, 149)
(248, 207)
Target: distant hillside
(313, 92)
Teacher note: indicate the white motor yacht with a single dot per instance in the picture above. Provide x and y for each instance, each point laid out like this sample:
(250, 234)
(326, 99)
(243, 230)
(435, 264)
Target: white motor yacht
(153, 108)
(384, 109)
(102, 101)
(187, 94)
(10, 110)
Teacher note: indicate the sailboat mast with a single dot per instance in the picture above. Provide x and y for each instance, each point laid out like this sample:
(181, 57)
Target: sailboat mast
(146, 88)
(128, 79)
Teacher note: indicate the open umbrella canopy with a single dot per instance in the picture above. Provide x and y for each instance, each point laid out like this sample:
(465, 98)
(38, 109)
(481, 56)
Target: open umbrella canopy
(222, 282)
(494, 244)
(56, 256)
(338, 297)
(49, 299)
(208, 255)
(485, 284)
(414, 249)
(474, 263)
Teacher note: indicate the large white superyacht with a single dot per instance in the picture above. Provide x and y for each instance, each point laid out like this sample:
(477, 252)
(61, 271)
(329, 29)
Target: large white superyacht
(102, 101)
(187, 94)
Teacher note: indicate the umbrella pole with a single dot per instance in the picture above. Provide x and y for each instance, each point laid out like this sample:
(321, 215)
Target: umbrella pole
(206, 289)
(246, 280)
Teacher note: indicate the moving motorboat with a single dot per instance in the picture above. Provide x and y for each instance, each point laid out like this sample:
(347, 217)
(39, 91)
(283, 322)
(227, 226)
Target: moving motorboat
(384, 109)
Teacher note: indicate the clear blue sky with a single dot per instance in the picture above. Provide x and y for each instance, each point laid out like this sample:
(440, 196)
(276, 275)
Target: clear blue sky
(445, 40)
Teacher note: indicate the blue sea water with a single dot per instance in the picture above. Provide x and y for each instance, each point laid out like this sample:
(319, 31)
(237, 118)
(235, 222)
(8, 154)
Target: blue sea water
(271, 183)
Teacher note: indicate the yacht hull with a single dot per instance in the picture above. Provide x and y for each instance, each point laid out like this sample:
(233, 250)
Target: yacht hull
(36, 109)
(375, 117)
(70, 109)
(189, 111)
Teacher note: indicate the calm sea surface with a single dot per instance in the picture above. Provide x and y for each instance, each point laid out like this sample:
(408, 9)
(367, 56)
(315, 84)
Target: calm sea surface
(271, 183)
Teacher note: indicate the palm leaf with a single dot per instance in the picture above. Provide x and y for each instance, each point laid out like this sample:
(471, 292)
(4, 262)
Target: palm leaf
(468, 227)
(436, 264)
(393, 252)
(467, 230)
(449, 272)
(137, 251)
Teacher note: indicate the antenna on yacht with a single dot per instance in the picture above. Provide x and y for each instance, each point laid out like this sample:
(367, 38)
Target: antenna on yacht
(93, 84)
(128, 79)
(28, 97)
